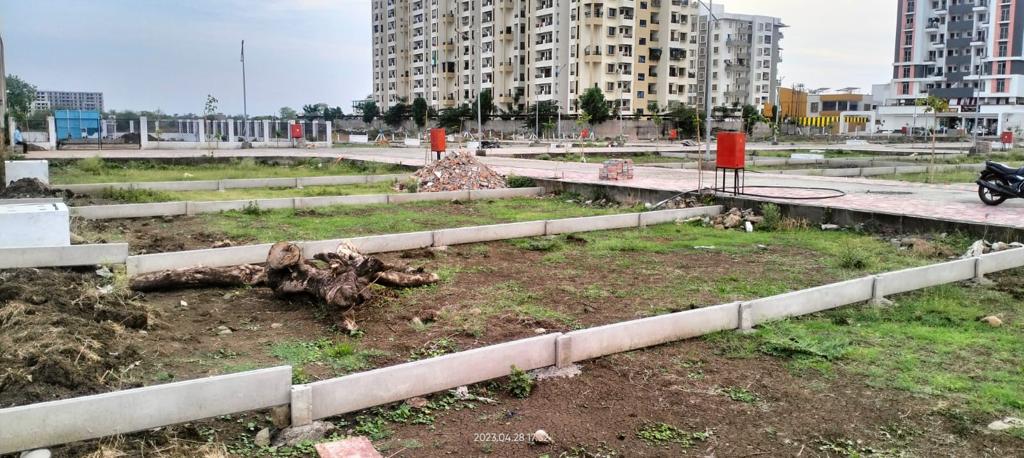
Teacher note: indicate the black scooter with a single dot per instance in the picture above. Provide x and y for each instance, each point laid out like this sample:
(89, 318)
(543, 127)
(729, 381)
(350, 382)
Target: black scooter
(999, 182)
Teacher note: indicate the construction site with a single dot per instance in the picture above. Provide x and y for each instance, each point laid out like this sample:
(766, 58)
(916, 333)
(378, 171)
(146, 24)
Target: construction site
(520, 300)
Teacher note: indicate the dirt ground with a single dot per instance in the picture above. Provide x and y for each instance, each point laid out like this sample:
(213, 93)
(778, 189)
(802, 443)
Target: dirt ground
(152, 235)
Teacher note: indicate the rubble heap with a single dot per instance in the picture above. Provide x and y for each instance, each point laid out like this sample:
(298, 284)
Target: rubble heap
(735, 218)
(457, 172)
(32, 187)
(616, 169)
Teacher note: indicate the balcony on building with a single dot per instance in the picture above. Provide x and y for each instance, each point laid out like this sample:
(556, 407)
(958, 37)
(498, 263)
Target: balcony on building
(592, 55)
(961, 26)
(933, 24)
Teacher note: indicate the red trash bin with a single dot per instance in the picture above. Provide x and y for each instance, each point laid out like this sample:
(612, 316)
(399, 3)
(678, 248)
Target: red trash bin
(673, 134)
(296, 130)
(1006, 138)
(732, 147)
(438, 140)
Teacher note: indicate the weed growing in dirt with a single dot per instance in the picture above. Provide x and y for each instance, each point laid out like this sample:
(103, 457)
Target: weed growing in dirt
(434, 348)
(520, 384)
(772, 217)
(136, 196)
(253, 209)
(96, 170)
(538, 244)
(657, 434)
(849, 257)
(515, 181)
(341, 356)
(374, 427)
(740, 395)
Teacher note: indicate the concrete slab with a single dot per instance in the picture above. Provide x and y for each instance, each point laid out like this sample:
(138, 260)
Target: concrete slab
(35, 225)
(630, 335)
(213, 257)
(130, 210)
(393, 242)
(808, 301)
(204, 185)
(395, 383)
(593, 223)
(670, 216)
(483, 194)
(327, 201)
(1002, 260)
(63, 256)
(353, 447)
(16, 170)
(425, 196)
(31, 200)
(902, 281)
(387, 178)
(245, 183)
(120, 412)
(488, 233)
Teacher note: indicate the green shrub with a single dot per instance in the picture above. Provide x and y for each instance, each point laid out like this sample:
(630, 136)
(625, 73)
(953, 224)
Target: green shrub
(411, 185)
(851, 257)
(136, 196)
(520, 384)
(93, 164)
(538, 244)
(253, 208)
(772, 217)
(515, 181)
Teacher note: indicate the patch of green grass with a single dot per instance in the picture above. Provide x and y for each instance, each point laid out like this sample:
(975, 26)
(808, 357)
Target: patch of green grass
(740, 395)
(930, 344)
(356, 220)
(661, 434)
(538, 243)
(343, 357)
(434, 348)
(96, 170)
(508, 300)
(136, 196)
(267, 193)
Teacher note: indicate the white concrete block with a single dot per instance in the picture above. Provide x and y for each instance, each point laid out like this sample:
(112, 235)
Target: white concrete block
(201, 185)
(852, 172)
(483, 194)
(875, 171)
(245, 183)
(57, 422)
(810, 300)
(213, 257)
(16, 170)
(31, 200)
(412, 142)
(387, 178)
(806, 156)
(488, 233)
(393, 242)
(630, 335)
(358, 138)
(58, 256)
(302, 405)
(129, 210)
(669, 216)
(593, 223)
(328, 201)
(332, 180)
(427, 196)
(902, 281)
(395, 383)
(32, 225)
(1002, 260)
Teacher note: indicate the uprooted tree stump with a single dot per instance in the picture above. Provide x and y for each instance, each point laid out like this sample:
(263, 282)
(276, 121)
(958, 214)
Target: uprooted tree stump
(341, 279)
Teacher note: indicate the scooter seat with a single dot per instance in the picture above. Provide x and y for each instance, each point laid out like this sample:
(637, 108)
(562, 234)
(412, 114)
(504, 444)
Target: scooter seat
(1003, 168)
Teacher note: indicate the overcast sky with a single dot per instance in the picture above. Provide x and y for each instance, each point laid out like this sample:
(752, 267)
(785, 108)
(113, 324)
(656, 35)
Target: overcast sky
(149, 54)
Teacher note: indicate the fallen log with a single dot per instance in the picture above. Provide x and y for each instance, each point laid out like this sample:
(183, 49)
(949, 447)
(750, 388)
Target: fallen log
(341, 280)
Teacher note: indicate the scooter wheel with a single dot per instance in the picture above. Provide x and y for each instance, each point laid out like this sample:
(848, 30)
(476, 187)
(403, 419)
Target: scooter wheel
(990, 197)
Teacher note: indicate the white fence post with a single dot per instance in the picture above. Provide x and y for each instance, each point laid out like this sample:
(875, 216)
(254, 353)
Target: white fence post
(330, 136)
(231, 130)
(13, 125)
(143, 133)
(201, 133)
(266, 131)
(51, 127)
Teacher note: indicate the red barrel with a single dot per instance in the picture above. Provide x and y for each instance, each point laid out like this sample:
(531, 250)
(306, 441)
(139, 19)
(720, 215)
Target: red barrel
(732, 148)
(585, 134)
(1006, 138)
(296, 130)
(673, 134)
(438, 140)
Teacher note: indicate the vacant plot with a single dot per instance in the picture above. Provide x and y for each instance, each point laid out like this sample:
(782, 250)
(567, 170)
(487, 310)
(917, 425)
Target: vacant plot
(97, 170)
(137, 196)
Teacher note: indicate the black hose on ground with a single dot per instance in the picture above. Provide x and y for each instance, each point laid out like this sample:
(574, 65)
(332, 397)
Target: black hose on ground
(835, 193)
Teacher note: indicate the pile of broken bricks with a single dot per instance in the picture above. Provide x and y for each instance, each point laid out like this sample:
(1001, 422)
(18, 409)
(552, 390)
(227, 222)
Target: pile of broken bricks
(616, 169)
(457, 172)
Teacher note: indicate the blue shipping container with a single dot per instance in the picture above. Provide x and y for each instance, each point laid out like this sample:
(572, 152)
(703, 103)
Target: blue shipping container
(77, 124)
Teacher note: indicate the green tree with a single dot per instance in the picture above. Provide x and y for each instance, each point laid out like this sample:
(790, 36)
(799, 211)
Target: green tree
(331, 114)
(934, 105)
(419, 111)
(287, 113)
(486, 106)
(398, 113)
(751, 116)
(370, 111)
(592, 102)
(687, 120)
(656, 115)
(547, 110)
(20, 95)
(451, 118)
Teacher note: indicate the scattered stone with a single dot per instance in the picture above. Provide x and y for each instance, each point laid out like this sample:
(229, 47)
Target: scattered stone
(353, 447)
(456, 202)
(456, 172)
(541, 437)
(167, 218)
(223, 330)
(104, 272)
(1000, 246)
(417, 322)
(461, 392)
(1006, 423)
(977, 248)
(993, 321)
(77, 239)
(830, 227)
(37, 299)
(732, 220)
(105, 289)
(276, 325)
(281, 416)
(314, 431)
(262, 438)
(704, 247)
(762, 247)
(554, 372)
(748, 226)
(37, 453)
(183, 303)
(417, 402)
(540, 331)
(223, 243)
(143, 332)
(438, 248)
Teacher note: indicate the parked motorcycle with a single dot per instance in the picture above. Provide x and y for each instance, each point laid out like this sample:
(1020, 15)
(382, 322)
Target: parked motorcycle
(999, 182)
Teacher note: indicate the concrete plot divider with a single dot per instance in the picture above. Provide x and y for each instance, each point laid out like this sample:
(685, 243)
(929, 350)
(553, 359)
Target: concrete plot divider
(592, 223)
(63, 256)
(130, 210)
(328, 201)
(373, 243)
(484, 194)
(58, 422)
(1002, 260)
(902, 281)
(233, 183)
(805, 301)
(396, 383)
(631, 335)
(668, 216)
(425, 196)
(488, 233)
(212, 257)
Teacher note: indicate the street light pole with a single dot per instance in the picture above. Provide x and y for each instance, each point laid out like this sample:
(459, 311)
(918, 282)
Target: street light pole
(707, 81)
(558, 71)
(245, 104)
(480, 71)
(775, 106)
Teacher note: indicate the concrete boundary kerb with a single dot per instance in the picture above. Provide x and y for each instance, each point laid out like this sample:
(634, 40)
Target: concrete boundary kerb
(57, 422)
(63, 256)
(396, 383)
(237, 183)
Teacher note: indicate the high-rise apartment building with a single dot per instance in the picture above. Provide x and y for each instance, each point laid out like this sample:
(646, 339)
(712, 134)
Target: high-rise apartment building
(745, 57)
(67, 100)
(525, 51)
(968, 52)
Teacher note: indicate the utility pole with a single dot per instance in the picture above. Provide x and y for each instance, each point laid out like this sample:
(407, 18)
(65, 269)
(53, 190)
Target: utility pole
(707, 82)
(480, 69)
(775, 106)
(245, 104)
